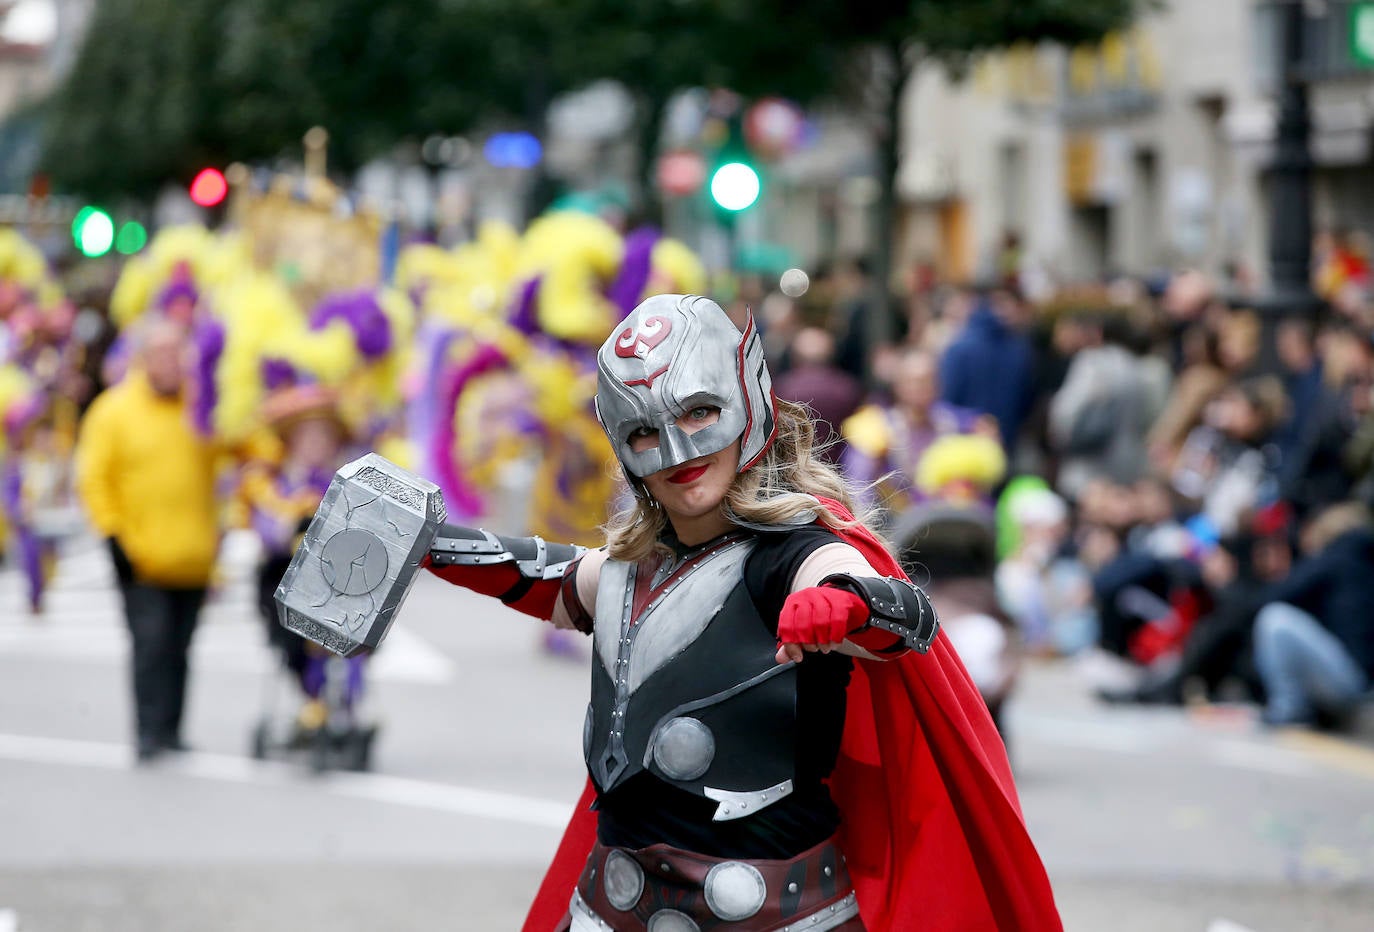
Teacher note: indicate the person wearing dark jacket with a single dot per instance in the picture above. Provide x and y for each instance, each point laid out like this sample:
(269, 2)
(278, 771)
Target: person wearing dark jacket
(1314, 638)
(990, 367)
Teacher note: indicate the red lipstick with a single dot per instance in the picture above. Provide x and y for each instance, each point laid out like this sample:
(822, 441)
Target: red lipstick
(690, 474)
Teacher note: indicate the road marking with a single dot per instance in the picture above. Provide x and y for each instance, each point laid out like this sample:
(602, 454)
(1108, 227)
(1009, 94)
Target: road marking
(399, 791)
(1226, 925)
(224, 641)
(1333, 752)
(1081, 733)
(84, 619)
(1261, 757)
(9, 920)
(1292, 753)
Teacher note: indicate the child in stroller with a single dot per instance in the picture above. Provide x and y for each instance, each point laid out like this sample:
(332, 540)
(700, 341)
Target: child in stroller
(281, 494)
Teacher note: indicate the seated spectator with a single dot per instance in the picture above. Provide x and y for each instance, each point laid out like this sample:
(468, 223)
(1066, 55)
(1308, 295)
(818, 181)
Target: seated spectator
(1216, 658)
(830, 392)
(1198, 382)
(1155, 529)
(1314, 637)
(1228, 466)
(1357, 453)
(1324, 399)
(1040, 583)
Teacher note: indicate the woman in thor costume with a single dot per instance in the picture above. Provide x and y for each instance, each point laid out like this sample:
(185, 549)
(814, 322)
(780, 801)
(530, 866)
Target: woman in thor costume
(777, 737)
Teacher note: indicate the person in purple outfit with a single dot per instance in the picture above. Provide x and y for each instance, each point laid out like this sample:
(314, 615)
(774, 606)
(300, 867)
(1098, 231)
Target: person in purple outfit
(279, 499)
(885, 443)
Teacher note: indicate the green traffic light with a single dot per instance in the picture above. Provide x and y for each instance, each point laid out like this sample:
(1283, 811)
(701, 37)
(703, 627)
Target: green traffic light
(78, 222)
(93, 230)
(735, 186)
(131, 238)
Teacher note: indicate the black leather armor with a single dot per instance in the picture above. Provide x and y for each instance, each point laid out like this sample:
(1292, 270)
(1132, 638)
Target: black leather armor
(685, 684)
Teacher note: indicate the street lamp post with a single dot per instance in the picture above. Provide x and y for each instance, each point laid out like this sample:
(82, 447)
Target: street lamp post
(1290, 193)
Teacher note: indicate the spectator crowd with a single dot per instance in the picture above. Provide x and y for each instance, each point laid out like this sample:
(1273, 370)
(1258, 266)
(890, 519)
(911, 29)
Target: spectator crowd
(1180, 483)
(1156, 477)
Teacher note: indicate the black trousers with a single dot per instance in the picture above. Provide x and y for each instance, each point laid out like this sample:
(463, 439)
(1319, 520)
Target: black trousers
(161, 622)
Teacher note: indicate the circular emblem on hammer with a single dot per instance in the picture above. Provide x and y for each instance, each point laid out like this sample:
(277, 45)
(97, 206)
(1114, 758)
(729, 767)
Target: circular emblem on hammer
(354, 562)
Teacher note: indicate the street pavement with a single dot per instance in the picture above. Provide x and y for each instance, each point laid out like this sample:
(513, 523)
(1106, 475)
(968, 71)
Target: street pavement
(1147, 819)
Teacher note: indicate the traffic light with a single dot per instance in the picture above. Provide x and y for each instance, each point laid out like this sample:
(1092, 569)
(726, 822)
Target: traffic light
(735, 186)
(735, 183)
(209, 187)
(132, 237)
(93, 231)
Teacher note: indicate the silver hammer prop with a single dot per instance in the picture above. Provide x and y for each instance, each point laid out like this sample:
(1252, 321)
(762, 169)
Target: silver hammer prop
(360, 555)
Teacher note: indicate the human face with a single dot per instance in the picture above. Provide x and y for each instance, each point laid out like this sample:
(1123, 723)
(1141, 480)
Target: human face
(164, 360)
(916, 385)
(314, 444)
(1234, 415)
(691, 493)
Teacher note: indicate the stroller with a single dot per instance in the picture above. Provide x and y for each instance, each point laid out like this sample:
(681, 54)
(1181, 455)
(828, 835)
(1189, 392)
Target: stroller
(951, 551)
(331, 728)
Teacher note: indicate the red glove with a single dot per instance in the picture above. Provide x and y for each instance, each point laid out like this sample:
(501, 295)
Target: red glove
(537, 597)
(494, 580)
(817, 618)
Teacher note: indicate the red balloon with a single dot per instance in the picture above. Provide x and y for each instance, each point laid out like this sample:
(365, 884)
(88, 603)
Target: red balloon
(209, 187)
(773, 127)
(681, 172)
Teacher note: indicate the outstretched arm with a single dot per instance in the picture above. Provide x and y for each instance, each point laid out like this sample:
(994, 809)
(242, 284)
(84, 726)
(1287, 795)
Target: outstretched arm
(525, 573)
(839, 602)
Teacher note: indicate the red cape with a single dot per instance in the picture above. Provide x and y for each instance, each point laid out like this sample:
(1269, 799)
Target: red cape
(931, 826)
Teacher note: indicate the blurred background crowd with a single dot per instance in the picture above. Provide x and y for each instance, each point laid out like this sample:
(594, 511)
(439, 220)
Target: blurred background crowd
(1081, 295)
(1082, 337)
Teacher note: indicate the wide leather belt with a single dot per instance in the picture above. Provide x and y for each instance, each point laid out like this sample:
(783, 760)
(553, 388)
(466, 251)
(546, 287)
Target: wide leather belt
(664, 889)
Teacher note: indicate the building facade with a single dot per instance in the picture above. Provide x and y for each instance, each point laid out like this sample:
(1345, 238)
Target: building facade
(1145, 152)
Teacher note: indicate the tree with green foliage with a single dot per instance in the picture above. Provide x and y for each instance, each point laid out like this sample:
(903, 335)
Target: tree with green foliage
(163, 87)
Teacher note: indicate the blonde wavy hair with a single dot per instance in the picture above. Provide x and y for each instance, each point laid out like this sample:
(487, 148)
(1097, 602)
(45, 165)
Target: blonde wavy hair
(778, 488)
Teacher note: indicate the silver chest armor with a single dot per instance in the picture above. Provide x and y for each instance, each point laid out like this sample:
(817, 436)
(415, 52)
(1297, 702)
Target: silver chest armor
(688, 688)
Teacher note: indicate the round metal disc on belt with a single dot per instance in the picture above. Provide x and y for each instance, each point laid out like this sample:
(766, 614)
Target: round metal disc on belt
(623, 879)
(670, 920)
(684, 748)
(735, 890)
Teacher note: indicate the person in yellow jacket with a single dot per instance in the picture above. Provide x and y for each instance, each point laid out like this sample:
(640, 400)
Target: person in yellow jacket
(147, 480)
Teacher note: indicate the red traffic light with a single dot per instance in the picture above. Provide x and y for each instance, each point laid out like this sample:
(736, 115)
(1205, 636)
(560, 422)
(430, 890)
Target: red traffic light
(209, 187)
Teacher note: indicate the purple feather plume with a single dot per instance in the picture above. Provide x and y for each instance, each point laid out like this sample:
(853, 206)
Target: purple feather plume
(208, 337)
(422, 410)
(361, 311)
(629, 285)
(462, 500)
(179, 287)
(278, 373)
(525, 316)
